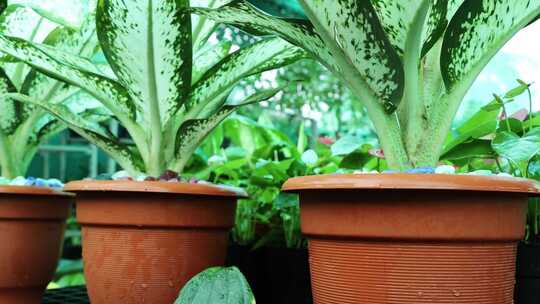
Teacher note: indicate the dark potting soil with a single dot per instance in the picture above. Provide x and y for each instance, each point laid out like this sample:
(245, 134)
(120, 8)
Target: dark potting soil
(276, 275)
(527, 289)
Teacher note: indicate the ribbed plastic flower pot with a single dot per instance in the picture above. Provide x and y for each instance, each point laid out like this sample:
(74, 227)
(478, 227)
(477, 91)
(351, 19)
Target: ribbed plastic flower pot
(32, 222)
(412, 238)
(142, 241)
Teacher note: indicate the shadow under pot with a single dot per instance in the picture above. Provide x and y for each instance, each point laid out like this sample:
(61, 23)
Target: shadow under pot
(32, 224)
(142, 241)
(408, 238)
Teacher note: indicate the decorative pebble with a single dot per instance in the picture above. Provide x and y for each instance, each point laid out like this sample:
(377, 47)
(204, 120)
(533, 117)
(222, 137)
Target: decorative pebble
(504, 174)
(121, 175)
(168, 175)
(18, 181)
(421, 170)
(445, 169)
(32, 181)
(480, 172)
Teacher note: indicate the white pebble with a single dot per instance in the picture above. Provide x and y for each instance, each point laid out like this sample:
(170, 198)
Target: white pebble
(120, 175)
(445, 169)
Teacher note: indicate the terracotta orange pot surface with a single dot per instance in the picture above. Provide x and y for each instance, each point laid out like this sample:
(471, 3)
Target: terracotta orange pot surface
(411, 238)
(32, 222)
(142, 241)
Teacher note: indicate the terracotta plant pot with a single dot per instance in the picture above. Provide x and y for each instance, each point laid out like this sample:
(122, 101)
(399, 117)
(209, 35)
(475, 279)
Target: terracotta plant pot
(406, 238)
(142, 241)
(32, 222)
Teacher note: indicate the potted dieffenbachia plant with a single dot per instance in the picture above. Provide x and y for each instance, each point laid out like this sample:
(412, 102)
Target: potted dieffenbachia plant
(410, 63)
(169, 90)
(32, 216)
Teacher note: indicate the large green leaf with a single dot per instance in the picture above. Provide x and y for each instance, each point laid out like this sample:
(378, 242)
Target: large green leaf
(91, 130)
(518, 150)
(203, 27)
(356, 38)
(192, 132)
(301, 33)
(148, 45)
(477, 31)
(73, 70)
(70, 13)
(207, 57)
(217, 286)
(207, 94)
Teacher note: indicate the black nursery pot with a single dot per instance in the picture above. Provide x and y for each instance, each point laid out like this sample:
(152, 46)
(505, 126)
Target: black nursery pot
(276, 275)
(527, 289)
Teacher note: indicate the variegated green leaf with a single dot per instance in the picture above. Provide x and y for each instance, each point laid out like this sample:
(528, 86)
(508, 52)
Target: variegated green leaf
(71, 13)
(22, 22)
(440, 14)
(355, 36)
(92, 131)
(148, 45)
(203, 27)
(192, 132)
(208, 57)
(397, 18)
(9, 110)
(301, 33)
(82, 42)
(217, 82)
(475, 34)
(73, 70)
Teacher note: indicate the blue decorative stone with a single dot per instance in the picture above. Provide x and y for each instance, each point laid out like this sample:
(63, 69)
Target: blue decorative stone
(421, 170)
(30, 181)
(41, 183)
(390, 171)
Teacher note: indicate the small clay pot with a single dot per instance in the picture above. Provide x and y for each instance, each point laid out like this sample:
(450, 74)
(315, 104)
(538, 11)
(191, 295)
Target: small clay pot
(32, 223)
(407, 238)
(142, 241)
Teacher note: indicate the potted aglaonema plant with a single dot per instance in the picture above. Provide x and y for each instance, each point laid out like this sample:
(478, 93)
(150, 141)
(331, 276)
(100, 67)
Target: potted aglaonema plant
(405, 238)
(33, 212)
(142, 240)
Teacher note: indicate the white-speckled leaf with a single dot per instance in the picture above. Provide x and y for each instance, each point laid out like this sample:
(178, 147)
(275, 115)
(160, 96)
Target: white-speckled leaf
(396, 18)
(70, 13)
(73, 70)
(82, 42)
(477, 31)
(192, 132)
(203, 27)
(22, 22)
(92, 131)
(207, 57)
(352, 30)
(9, 110)
(148, 45)
(301, 33)
(217, 82)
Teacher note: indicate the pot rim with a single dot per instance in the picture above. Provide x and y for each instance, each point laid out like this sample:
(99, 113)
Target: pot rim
(385, 181)
(32, 190)
(153, 187)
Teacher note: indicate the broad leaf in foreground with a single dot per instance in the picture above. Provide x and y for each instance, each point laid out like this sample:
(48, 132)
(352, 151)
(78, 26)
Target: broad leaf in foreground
(217, 286)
